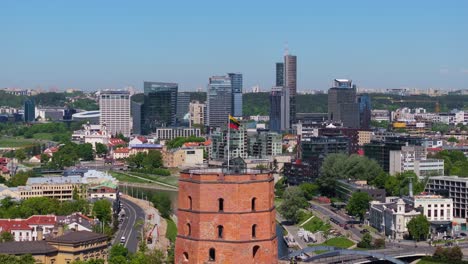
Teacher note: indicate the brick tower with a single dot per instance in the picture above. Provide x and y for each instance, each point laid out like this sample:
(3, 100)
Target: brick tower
(226, 217)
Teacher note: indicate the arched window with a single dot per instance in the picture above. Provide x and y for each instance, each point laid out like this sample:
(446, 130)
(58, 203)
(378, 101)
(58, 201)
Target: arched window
(189, 230)
(186, 256)
(220, 231)
(255, 251)
(253, 203)
(212, 255)
(254, 231)
(221, 204)
(190, 202)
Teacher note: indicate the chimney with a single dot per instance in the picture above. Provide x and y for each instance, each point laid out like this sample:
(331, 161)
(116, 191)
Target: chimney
(60, 230)
(76, 227)
(40, 233)
(410, 187)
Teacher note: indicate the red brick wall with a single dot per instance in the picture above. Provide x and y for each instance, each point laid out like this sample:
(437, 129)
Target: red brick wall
(237, 218)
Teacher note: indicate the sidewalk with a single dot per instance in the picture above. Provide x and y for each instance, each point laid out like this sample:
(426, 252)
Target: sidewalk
(154, 224)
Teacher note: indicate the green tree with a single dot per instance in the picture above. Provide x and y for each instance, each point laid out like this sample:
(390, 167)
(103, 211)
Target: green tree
(452, 139)
(163, 203)
(118, 250)
(418, 227)
(102, 209)
(358, 204)
(293, 202)
(44, 158)
(101, 149)
(310, 190)
(152, 160)
(280, 187)
(366, 241)
(20, 155)
(85, 151)
(6, 237)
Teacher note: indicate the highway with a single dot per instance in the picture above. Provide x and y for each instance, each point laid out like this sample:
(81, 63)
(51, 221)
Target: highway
(133, 213)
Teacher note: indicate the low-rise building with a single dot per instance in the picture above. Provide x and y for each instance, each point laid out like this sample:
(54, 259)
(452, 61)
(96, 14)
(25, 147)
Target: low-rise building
(173, 132)
(414, 158)
(183, 157)
(345, 190)
(120, 153)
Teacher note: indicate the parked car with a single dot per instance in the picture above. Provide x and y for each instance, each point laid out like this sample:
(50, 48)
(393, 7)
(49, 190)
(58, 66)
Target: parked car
(463, 234)
(364, 231)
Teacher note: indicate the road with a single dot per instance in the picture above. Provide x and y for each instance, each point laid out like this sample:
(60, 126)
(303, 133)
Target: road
(133, 213)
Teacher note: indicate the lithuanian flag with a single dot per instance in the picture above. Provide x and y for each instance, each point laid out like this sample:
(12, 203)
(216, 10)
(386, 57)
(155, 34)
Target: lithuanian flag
(234, 123)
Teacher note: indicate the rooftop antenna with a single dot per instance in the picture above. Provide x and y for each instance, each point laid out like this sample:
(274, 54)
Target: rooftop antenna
(286, 49)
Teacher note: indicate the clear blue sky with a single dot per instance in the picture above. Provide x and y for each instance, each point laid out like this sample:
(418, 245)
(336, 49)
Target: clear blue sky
(96, 44)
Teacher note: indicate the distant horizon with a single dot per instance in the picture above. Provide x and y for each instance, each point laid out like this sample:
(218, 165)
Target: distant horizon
(93, 45)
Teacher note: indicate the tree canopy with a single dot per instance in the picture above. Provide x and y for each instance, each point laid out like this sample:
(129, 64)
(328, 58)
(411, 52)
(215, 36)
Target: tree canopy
(418, 227)
(358, 204)
(293, 202)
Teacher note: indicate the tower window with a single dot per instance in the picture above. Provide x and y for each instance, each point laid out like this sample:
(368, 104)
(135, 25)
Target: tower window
(212, 254)
(190, 202)
(254, 231)
(255, 251)
(220, 231)
(253, 203)
(189, 230)
(221, 204)
(186, 256)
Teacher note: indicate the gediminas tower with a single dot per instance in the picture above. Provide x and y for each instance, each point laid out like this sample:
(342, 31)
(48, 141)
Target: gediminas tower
(226, 217)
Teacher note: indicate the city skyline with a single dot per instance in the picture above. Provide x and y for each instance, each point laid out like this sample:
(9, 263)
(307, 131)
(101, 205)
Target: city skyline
(110, 45)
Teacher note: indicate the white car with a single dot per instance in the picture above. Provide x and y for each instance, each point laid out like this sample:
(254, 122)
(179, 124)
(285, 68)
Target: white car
(122, 240)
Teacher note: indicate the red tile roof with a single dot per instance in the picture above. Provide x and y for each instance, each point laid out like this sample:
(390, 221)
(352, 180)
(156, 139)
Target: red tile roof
(6, 225)
(122, 150)
(142, 139)
(116, 141)
(42, 220)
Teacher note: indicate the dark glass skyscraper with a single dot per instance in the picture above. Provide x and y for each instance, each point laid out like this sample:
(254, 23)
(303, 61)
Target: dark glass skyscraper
(279, 74)
(29, 110)
(290, 82)
(183, 101)
(342, 103)
(236, 88)
(365, 108)
(279, 109)
(160, 106)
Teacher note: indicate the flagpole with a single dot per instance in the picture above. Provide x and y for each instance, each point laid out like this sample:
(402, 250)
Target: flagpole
(228, 142)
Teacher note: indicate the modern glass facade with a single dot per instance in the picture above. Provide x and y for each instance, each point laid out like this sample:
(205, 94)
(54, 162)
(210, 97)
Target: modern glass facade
(365, 109)
(219, 101)
(279, 109)
(183, 102)
(342, 104)
(29, 110)
(279, 74)
(160, 106)
(236, 88)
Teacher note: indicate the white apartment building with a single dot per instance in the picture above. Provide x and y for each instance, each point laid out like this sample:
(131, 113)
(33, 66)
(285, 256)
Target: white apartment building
(435, 207)
(455, 188)
(414, 158)
(197, 113)
(115, 111)
(173, 132)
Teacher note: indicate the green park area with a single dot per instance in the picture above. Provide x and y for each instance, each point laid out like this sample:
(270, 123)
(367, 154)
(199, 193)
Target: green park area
(16, 142)
(339, 242)
(171, 231)
(312, 223)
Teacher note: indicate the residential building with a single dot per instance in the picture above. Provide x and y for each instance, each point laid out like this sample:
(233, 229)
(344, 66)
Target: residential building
(351, 133)
(79, 245)
(236, 88)
(265, 144)
(346, 188)
(364, 137)
(224, 214)
(197, 112)
(114, 107)
(160, 106)
(219, 101)
(29, 110)
(120, 153)
(280, 109)
(238, 144)
(342, 103)
(103, 191)
(76, 222)
(183, 101)
(26, 229)
(380, 115)
(414, 158)
(173, 132)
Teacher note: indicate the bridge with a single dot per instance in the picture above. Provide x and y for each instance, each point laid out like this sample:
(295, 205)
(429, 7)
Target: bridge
(333, 254)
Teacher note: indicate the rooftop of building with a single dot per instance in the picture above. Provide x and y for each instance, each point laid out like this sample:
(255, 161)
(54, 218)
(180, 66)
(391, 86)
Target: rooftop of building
(207, 171)
(357, 184)
(27, 247)
(78, 237)
(449, 178)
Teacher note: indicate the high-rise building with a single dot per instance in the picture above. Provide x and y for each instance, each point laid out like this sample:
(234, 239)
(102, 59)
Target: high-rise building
(219, 101)
(290, 82)
(238, 144)
(197, 112)
(136, 111)
(279, 109)
(365, 109)
(279, 74)
(115, 111)
(236, 86)
(342, 103)
(226, 216)
(29, 110)
(160, 106)
(183, 101)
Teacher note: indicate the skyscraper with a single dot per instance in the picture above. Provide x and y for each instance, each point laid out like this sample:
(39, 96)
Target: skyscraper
(365, 108)
(160, 106)
(279, 109)
(342, 103)
(290, 82)
(183, 101)
(219, 101)
(236, 87)
(115, 111)
(29, 110)
(279, 74)
(135, 109)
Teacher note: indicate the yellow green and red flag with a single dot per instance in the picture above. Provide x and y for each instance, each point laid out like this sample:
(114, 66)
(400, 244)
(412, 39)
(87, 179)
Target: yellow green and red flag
(233, 123)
